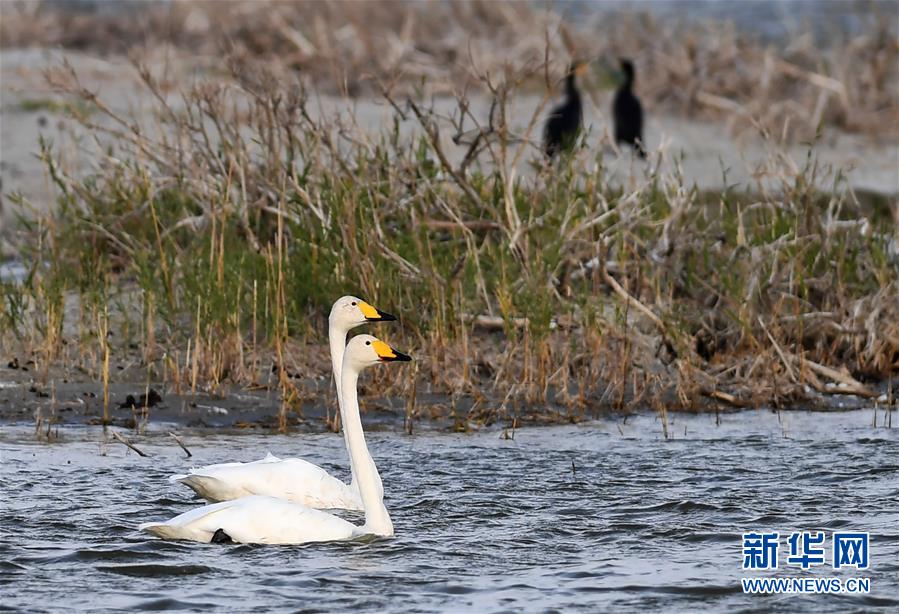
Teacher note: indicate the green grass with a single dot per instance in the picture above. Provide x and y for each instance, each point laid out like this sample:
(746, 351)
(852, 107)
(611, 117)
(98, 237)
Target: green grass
(71, 108)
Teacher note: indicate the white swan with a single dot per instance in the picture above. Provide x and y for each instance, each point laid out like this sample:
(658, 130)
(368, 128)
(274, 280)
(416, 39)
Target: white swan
(293, 479)
(261, 519)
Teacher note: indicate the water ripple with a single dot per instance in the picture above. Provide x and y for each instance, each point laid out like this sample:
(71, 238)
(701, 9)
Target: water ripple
(558, 519)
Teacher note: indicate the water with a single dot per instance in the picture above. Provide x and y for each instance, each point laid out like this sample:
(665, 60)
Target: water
(482, 523)
(775, 21)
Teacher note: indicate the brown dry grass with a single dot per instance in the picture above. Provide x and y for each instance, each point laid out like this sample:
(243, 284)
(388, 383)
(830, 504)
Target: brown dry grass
(353, 47)
(214, 237)
(211, 237)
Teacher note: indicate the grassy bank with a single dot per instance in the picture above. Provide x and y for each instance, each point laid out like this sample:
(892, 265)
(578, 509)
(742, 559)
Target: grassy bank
(206, 245)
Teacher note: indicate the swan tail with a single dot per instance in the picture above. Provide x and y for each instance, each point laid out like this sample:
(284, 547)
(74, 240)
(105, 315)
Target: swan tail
(159, 529)
(164, 530)
(210, 488)
(177, 477)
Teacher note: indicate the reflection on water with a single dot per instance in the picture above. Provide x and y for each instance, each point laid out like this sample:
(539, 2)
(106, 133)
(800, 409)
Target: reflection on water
(558, 517)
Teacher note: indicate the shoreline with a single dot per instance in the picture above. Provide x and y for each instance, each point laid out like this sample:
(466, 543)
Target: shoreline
(641, 424)
(79, 404)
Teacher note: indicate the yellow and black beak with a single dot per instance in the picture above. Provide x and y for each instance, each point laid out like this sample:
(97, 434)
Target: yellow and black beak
(388, 354)
(373, 314)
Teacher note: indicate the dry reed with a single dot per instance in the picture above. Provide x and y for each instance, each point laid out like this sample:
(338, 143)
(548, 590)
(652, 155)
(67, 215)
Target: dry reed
(707, 69)
(527, 292)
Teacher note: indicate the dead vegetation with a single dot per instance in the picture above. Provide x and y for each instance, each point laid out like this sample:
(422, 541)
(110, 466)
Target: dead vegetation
(354, 47)
(207, 243)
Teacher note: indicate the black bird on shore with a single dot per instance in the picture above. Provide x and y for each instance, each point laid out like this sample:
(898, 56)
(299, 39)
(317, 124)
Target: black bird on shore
(563, 124)
(628, 112)
(145, 400)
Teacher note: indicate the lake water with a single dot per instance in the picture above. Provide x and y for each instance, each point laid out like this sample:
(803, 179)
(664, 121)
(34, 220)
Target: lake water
(604, 517)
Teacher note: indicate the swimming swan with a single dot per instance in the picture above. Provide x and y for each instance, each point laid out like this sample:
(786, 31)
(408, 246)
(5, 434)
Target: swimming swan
(293, 479)
(261, 519)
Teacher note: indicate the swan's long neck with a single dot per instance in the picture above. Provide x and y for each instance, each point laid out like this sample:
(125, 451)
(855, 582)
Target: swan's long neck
(337, 341)
(377, 520)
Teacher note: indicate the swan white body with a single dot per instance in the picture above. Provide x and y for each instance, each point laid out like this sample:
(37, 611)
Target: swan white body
(262, 519)
(293, 479)
(257, 519)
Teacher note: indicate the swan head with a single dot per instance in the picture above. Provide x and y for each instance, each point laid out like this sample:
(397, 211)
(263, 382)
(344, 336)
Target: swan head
(364, 351)
(349, 312)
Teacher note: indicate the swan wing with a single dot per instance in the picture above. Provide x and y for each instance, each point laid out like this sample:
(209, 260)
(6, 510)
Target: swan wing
(255, 520)
(293, 479)
(269, 458)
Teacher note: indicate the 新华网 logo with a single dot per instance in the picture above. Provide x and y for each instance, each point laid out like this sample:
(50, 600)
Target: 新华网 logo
(806, 550)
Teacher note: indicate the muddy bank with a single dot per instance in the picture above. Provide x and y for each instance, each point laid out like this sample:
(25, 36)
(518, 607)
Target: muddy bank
(67, 403)
(72, 402)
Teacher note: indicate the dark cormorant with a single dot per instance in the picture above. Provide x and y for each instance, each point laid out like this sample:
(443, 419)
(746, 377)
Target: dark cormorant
(563, 124)
(628, 112)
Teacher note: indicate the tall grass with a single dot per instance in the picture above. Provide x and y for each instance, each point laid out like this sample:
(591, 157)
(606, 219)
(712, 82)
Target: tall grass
(212, 238)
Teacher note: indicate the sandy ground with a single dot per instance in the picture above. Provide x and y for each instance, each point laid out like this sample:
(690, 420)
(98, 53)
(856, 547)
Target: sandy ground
(29, 109)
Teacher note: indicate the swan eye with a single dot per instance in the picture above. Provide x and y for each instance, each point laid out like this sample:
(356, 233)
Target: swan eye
(354, 303)
(368, 343)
